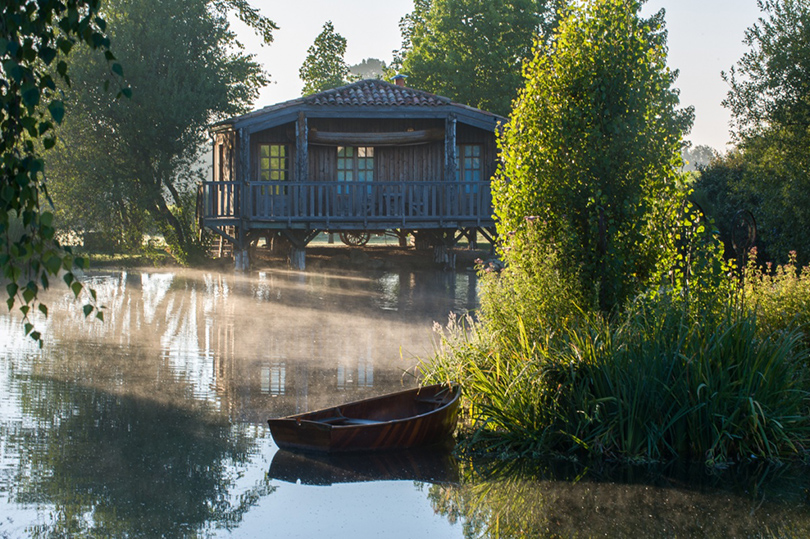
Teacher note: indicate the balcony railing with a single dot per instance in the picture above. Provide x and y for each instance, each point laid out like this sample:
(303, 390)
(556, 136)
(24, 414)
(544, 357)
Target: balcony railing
(349, 202)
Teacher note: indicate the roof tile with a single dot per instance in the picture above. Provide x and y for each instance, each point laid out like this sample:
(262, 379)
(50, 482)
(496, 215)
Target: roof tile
(373, 92)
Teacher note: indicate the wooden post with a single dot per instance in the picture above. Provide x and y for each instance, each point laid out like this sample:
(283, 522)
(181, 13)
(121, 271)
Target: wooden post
(298, 258)
(244, 173)
(241, 256)
(450, 157)
(241, 259)
(298, 246)
(301, 148)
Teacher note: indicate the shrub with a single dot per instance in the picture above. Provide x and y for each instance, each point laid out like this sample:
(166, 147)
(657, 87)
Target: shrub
(534, 289)
(779, 295)
(655, 385)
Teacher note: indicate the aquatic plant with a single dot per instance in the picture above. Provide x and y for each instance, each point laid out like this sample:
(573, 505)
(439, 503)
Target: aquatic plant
(656, 384)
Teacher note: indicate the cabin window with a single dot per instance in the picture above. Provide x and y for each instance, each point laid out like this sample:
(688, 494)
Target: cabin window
(469, 165)
(274, 165)
(354, 164)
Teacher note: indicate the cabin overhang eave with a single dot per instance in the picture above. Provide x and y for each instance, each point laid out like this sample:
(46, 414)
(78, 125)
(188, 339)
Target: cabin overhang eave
(253, 124)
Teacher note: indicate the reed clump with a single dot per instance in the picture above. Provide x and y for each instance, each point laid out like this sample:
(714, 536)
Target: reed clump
(657, 380)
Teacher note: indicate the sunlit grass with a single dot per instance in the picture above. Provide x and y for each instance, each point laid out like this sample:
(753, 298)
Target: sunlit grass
(655, 384)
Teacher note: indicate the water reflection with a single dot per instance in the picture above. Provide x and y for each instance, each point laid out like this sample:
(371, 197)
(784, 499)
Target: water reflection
(531, 499)
(152, 424)
(118, 465)
(427, 465)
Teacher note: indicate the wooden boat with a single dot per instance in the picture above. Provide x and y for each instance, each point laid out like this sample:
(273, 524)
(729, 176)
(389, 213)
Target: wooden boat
(411, 418)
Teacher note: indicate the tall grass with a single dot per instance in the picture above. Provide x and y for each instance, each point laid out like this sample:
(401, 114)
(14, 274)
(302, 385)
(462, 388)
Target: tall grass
(654, 384)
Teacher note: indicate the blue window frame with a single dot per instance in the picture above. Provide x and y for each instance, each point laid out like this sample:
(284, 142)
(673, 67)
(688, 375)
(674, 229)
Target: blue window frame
(468, 168)
(355, 164)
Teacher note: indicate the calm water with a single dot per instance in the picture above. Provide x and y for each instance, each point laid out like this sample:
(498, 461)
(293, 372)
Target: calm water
(151, 424)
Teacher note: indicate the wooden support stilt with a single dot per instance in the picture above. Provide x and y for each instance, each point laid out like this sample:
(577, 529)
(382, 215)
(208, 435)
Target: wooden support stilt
(444, 256)
(297, 258)
(241, 259)
(299, 239)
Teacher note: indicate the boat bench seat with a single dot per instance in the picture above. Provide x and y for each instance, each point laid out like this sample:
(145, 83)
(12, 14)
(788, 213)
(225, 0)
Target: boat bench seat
(355, 421)
(343, 420)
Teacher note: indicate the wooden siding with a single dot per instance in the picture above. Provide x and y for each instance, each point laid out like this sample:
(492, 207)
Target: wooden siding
(410, 190)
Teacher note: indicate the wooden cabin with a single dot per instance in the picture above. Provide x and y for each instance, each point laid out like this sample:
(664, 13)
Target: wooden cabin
(366, 157)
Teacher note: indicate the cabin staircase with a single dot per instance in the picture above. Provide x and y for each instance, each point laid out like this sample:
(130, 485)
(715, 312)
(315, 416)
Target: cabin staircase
(221, 247)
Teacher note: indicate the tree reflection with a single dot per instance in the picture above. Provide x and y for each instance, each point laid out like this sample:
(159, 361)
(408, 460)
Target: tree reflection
(518, 499)
(117, 465)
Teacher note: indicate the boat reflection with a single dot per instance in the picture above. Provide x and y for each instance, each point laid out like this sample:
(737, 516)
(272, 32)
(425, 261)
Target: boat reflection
(435, 465)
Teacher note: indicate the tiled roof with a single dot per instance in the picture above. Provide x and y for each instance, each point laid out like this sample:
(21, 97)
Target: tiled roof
(364, 93)
(372, 92)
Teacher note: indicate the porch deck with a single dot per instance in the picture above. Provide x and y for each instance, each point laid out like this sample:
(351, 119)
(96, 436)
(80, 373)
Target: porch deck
(332, 205)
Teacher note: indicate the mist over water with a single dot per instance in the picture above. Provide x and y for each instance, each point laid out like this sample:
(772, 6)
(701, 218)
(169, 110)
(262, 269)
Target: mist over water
(165, 402)
(152, 424)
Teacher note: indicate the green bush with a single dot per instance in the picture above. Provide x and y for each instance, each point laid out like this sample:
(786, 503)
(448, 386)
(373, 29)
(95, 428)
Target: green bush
(780, 296)
(656, 385)
(534, 289)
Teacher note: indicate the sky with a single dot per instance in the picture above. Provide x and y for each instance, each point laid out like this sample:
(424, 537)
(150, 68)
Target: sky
(705, 38)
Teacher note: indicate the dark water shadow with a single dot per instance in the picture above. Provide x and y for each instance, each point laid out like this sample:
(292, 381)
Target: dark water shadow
(119, 465)
(520, 498)
(426, 465)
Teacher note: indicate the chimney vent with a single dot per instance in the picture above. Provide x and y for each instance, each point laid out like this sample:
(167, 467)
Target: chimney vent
(399, 79)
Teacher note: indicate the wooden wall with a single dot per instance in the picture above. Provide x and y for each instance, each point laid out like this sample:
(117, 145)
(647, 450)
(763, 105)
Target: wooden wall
(419, 162)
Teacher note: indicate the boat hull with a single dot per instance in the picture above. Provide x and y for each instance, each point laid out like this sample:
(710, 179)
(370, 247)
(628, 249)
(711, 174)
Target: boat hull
(412, 418)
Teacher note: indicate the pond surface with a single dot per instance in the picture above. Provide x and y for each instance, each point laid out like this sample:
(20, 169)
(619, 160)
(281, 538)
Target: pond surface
(152, 424)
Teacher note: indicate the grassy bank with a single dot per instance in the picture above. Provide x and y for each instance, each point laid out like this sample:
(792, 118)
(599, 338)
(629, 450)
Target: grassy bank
(658, 380)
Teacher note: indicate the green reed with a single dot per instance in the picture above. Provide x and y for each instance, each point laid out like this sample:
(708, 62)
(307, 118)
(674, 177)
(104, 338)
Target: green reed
(656, 384)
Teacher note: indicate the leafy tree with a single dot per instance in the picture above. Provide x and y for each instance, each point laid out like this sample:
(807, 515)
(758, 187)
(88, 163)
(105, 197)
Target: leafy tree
(324, 66)
(592, 147)
(769, 100)
(139, 158)
(369, 68)
(472, 50)
(35, 41)
(698, 156)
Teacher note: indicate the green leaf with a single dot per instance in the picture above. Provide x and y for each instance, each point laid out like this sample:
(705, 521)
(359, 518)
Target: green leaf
(43, 309)
(53, 264)
(30, 97)
(11, 289)
(57, 110)
(65, 45)
(76, 287)
(100, 316)
(87, 309)
(117, 69)
(29, 295)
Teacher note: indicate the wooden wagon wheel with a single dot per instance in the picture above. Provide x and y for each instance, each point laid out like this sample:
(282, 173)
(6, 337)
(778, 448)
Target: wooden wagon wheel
(355, 239)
